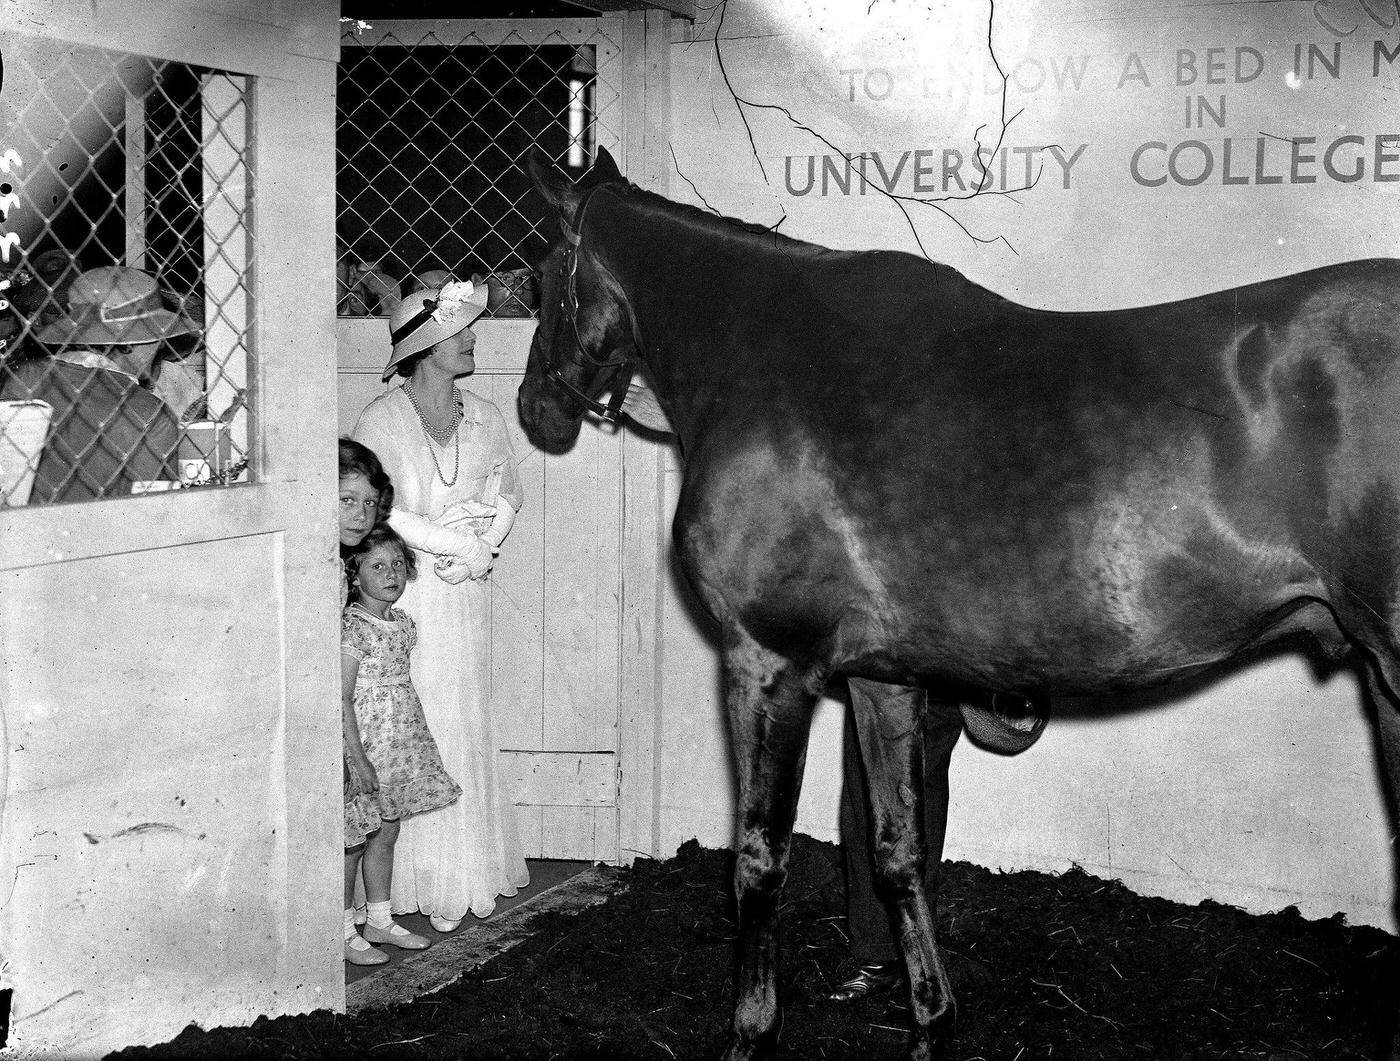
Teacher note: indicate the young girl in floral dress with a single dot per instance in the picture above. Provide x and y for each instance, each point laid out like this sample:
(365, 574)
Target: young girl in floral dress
(366, 496)
(389, 747)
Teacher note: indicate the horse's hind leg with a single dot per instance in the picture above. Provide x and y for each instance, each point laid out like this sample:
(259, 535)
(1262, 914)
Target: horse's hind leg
(1376, 630)
(1383, 684)
(769, 703)
(890, 721)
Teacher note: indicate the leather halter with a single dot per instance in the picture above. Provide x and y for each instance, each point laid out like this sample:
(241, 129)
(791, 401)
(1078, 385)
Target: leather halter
(568, 305)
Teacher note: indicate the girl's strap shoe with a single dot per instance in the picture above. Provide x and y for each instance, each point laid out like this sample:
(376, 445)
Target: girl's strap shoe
(396, 936)
(359, 952)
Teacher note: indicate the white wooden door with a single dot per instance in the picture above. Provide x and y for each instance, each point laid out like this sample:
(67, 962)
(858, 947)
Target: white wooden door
(575, 595)
(171, 831)
(571, 687)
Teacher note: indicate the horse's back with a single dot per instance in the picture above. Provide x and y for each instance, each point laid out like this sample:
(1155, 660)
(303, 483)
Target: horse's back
(1080, 497)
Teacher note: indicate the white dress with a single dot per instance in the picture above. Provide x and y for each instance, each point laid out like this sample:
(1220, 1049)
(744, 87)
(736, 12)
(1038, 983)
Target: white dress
(461, 857)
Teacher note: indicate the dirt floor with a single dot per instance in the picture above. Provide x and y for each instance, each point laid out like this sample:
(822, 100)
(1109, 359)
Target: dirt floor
(1080, 968)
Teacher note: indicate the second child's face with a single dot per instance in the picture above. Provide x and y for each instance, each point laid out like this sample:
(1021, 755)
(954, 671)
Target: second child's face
(382, 574)
(359, 508)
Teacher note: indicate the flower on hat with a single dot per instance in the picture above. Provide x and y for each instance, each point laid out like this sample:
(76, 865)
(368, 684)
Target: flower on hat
(452, 298)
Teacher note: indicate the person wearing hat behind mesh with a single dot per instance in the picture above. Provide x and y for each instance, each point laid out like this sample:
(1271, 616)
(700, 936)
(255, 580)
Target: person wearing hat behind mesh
(107, 432)
(456, 492)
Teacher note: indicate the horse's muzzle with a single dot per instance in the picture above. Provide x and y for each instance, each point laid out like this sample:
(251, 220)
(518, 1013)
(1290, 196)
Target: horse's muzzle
(547, 425)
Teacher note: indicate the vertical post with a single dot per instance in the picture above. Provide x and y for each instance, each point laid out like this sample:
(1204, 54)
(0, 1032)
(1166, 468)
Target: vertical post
(646, 139)
(135, 135)
(292, 286)
(227, 229)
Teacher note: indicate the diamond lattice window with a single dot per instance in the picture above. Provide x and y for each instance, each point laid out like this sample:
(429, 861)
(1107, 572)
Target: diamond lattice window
(432, 137)
(125, 337)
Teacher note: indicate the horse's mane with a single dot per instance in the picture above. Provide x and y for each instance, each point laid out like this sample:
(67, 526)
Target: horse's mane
(872, 280)
(875, 284)
(710, 222)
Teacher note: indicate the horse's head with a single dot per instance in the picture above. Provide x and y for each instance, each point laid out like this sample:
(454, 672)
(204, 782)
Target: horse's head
(586, 341)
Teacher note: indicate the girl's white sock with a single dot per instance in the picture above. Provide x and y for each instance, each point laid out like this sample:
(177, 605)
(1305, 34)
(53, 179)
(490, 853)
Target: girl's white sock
(379, 914)
(350, 930)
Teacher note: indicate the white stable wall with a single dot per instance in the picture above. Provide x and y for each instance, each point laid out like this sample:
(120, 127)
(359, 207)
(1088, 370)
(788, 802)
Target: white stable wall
(1258, 790)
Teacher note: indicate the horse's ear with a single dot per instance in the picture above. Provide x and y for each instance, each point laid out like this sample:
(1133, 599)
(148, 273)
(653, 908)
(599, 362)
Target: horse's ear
(553, 185)
(605, 168)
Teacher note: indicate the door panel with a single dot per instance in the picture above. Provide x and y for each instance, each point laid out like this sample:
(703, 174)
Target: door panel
(146, 781)
(168, 664)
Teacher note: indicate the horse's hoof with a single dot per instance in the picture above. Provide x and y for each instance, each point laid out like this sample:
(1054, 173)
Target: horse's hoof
(934, 1043)
(761, 1048)
(758, 1048)
(745, 1051)
(932, 1047)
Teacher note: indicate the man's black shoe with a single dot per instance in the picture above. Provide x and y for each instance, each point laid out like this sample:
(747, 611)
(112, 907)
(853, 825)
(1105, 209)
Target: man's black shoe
(874, 978)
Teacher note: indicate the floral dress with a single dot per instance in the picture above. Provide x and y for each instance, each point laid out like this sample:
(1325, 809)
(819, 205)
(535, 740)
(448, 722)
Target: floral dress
(393, 731)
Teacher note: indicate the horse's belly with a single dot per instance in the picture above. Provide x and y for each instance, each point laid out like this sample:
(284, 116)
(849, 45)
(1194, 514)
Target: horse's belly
(1092, 572)
(1132, 598)
(1094, 656)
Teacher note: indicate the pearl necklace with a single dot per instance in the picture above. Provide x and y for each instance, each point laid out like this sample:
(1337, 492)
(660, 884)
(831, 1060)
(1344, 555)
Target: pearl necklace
(440, 439)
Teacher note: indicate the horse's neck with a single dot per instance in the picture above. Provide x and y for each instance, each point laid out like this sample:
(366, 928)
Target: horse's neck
(696, 288)
(669, 271)
(701, 256)
(709, 252)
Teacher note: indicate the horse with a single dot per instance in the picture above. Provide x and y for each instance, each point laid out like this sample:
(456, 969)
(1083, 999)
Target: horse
(896, 476)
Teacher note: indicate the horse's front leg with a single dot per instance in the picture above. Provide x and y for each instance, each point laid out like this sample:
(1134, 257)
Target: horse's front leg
(769, 704)
(890, 722)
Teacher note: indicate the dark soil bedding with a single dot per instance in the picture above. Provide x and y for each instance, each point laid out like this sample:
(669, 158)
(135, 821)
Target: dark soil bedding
(1080, 969)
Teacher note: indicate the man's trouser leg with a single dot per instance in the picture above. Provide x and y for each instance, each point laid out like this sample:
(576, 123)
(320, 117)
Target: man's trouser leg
(872, 935)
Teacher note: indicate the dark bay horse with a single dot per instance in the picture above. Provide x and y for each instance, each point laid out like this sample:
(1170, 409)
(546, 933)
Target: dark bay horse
(899, 477)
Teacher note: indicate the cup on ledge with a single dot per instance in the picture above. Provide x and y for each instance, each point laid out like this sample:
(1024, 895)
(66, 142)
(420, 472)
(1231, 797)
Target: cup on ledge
(204, 451)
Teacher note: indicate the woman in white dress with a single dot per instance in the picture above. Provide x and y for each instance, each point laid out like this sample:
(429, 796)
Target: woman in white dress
(456, 492)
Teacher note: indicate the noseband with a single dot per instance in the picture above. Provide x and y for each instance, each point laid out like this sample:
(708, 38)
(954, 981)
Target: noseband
(568, 305)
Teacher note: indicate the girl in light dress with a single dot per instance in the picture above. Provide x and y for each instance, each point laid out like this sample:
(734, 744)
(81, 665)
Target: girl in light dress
(391, 751)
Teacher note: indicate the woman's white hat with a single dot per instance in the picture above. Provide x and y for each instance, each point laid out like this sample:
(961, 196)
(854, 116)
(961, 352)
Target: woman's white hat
(428, 317)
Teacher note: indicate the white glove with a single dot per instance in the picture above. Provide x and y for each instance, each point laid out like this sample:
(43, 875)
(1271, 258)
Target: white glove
(452, 569)
(500, 526)
(467, 516)
(429, 537)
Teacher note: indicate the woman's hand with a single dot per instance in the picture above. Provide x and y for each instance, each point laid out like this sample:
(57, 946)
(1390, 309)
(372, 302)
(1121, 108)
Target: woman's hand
(642, 405)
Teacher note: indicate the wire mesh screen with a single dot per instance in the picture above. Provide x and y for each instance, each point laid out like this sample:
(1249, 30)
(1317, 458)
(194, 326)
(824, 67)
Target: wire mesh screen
(433, 130)
(125, 337)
